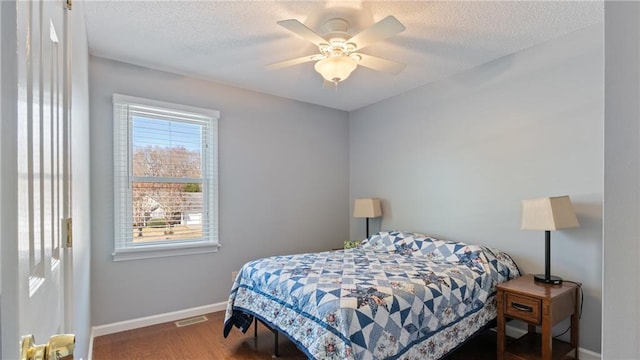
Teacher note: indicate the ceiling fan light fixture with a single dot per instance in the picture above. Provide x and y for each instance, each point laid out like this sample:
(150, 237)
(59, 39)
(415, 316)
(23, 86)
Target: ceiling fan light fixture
(336, 68)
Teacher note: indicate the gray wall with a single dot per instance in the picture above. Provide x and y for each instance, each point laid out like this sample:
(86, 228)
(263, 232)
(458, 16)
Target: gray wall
(283, 189)
(621, 285)
(454, 159)
(9, 180)
(81, 205)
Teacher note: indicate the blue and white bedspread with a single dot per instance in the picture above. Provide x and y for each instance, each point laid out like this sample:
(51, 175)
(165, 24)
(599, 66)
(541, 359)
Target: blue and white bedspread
(397, 296)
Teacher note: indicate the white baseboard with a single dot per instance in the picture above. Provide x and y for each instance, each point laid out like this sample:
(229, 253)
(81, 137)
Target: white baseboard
(583, 354)
(107, 329)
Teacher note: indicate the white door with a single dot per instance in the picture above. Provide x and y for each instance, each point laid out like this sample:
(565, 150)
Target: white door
(41, 202)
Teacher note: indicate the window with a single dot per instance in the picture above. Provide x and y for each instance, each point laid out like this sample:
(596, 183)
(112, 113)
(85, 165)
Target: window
(165, 185)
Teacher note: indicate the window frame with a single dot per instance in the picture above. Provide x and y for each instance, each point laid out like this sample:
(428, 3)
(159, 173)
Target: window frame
(124, 247)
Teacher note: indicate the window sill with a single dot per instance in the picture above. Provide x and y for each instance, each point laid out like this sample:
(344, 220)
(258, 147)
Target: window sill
(163, 250)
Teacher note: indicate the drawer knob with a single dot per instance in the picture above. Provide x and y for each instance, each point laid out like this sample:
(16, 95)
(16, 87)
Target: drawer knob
(521, 307)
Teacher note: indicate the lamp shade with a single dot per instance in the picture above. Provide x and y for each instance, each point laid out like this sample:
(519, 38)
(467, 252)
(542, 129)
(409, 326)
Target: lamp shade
(336, 68)
(550, 213)
(367, 208)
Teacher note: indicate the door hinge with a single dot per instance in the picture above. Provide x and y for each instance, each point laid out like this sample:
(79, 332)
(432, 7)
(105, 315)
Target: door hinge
(69, 4)
(67, 235)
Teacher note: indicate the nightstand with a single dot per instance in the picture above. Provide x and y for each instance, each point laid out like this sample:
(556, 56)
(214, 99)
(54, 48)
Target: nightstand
(541, 305)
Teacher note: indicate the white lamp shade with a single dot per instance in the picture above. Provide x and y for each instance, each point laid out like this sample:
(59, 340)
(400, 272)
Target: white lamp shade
(550, 213)
(336, 68)
(367, 208)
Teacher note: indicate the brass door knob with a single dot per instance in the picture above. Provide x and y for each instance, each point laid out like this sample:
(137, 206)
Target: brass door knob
(59, 347)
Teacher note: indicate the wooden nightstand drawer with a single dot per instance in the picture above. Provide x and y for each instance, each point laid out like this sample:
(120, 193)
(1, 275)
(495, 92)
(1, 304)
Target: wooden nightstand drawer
(523, 308)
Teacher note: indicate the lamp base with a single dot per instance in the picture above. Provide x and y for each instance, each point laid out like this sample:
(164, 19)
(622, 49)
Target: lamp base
(552, 280)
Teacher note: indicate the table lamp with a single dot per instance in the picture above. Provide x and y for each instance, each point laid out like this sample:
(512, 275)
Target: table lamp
(548, 214)
(367, 208)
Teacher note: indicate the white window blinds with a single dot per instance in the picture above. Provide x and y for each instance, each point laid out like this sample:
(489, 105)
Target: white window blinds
(165, 168)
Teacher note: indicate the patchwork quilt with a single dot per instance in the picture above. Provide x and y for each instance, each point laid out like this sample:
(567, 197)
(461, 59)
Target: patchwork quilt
(398, 295)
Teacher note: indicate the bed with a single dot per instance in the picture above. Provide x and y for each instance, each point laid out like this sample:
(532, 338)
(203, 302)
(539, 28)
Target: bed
(398, 295)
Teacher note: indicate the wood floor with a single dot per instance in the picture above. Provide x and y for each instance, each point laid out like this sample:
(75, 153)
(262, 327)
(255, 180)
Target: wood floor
(205, 341)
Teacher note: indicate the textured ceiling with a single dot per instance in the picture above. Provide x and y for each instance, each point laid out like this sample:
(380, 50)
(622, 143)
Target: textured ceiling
(230, 42)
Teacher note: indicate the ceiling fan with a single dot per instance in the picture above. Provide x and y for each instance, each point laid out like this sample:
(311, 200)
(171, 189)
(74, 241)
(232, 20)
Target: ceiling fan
(339, 51)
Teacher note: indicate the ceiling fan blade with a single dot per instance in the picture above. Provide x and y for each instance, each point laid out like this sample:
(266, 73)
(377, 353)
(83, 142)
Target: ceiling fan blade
(380, 64)
(381, 30)
(291, 62)
(303, 31)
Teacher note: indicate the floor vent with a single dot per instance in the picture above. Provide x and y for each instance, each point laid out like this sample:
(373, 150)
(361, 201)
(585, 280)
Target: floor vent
(191, 321)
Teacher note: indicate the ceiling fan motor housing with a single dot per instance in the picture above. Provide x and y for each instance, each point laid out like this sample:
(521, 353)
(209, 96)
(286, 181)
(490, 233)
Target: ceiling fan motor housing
(337, 36)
